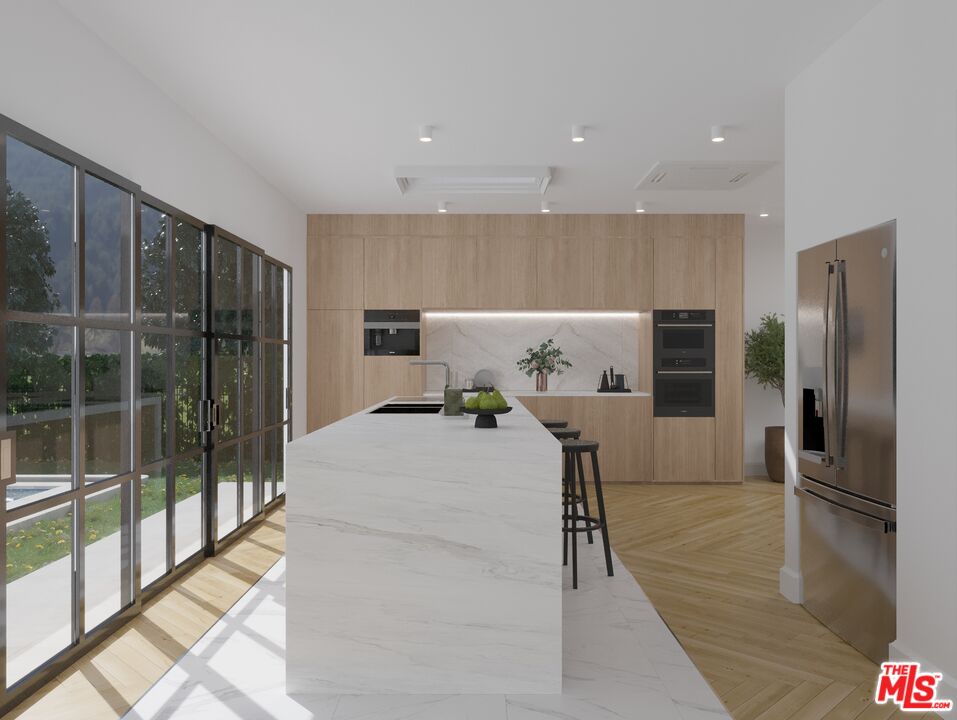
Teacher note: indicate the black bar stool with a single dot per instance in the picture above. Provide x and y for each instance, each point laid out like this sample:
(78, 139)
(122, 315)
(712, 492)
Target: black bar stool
(572, 451)
(582, 497)
(552, 424)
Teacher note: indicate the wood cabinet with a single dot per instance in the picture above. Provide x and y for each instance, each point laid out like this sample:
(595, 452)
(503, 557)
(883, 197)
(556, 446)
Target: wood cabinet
(387, 376)
(729, 358)
(393, 273)
(505, 272)
(624, 271)
(449, 272)
(565, 273)
(621, 425)
(684, 450)
(334, 364)
(684, 262)
(334, 272)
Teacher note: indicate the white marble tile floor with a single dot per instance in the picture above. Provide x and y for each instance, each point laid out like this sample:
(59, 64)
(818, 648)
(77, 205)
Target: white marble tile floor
(620, 661)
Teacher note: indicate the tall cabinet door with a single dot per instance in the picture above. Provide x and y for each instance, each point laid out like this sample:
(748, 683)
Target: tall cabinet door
(684, 262)
(335, 362)
(393, 273)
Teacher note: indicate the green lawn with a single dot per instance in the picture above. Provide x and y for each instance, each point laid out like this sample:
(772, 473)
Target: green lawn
(31, 547)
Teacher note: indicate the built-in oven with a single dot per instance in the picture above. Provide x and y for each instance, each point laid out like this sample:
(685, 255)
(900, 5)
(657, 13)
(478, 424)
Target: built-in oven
(684, 363)
(391, 332)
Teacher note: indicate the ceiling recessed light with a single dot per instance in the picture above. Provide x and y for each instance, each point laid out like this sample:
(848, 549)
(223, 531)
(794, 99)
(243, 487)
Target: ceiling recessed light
(443, 207)
(717, 134)
(545, 206)
(578, 133)
(639, 207)
(764, 214)
(425, 133)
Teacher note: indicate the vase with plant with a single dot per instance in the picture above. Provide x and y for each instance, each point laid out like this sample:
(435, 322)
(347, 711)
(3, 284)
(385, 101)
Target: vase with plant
(545, 360)
(764, 362)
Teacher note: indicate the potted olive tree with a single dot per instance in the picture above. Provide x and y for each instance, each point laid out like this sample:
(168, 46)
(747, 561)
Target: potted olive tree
(764, 362)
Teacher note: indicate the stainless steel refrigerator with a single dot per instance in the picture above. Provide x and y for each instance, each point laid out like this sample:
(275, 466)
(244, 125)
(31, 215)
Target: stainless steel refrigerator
(847, 480)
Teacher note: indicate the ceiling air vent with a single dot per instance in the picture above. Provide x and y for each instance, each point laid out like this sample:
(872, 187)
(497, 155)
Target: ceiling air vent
(679, 175)
(473, 179)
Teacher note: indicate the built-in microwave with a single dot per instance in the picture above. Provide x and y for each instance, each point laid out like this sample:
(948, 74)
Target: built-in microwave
(391, 332)
(684, 363)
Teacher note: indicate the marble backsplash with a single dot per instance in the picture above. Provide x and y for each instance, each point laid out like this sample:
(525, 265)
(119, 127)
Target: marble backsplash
(470, 344)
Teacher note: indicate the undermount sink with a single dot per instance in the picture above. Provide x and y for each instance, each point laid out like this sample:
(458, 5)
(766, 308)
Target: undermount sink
(408, 409)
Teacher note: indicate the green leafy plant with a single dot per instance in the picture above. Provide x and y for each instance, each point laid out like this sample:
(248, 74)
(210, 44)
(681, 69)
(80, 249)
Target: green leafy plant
(547, 358)
(764, 353)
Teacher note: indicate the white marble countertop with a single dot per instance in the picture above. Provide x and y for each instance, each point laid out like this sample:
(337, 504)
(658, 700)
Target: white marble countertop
(413, 540)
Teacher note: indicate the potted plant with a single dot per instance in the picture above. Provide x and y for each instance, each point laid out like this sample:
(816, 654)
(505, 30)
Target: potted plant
(764, 362)
(542, 361)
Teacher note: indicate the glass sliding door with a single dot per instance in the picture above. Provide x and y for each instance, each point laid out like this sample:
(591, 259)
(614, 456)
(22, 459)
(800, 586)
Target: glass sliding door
(144, 371)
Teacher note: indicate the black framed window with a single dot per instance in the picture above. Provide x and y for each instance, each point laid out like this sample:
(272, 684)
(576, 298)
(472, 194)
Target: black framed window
(123, 323)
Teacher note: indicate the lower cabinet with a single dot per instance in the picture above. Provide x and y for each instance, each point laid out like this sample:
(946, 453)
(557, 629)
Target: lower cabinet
(621, 425)
(684, 450)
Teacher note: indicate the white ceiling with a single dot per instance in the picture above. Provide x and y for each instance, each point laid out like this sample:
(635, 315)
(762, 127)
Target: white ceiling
(325, 98)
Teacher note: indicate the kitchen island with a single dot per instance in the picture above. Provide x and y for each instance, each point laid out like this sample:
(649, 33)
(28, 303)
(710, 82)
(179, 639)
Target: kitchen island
(423, 557)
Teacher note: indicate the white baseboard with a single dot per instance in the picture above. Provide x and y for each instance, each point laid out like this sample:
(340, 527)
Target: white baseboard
(947, 689)
(791, 584)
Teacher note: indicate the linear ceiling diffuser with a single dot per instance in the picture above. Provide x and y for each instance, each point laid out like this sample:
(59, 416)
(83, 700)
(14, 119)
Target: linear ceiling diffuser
(473, 179)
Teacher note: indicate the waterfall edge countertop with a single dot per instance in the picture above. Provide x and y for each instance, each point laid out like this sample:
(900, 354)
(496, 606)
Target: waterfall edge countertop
(423, 556)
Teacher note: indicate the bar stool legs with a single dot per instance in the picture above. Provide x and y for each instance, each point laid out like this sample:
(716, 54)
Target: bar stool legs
(600, 498)
(584, 492)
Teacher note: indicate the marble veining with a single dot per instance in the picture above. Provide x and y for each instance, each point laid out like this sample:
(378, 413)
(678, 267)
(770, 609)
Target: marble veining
(620, 661)
(471, 344)
(422, 557)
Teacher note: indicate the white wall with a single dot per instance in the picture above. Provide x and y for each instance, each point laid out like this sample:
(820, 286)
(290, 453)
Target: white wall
(62, 81)
(763, 293)
(872, 135)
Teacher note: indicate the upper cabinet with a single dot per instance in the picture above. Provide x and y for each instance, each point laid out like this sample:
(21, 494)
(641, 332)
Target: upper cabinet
(624, 272)
(393, 272)
(565, 272)
(684, 262)
(504, 272)
(334, 280)
(449, 277)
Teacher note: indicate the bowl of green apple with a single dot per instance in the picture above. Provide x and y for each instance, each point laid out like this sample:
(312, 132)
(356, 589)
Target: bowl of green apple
(485, 406)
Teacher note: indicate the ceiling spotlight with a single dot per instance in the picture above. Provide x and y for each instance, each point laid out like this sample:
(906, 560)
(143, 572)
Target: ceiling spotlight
(717, 134)
(425, 133)
(764, 214)
(443, 207)
(578, 133)
(639, 207)
(545, 206)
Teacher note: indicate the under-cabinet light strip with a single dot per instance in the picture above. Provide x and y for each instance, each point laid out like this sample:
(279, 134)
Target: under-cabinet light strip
(461, 314)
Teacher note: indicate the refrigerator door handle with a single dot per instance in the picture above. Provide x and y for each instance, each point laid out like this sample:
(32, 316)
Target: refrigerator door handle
(846, 513)
(840, 362)
(828, 378)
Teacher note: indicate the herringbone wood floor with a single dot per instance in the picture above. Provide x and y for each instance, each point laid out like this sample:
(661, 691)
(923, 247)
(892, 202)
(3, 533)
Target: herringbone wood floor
(708, 558)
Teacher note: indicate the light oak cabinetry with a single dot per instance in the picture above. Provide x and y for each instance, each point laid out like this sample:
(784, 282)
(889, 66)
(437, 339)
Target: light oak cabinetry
(386, 376)
(729, 355)
(334, 366)
(565, 273)
(623, 272)
(684, 450)
(449, 277)
(684, 262)
(621, 425)
(393, 273)
(335, 271)
(528, 262)
(505, 272)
